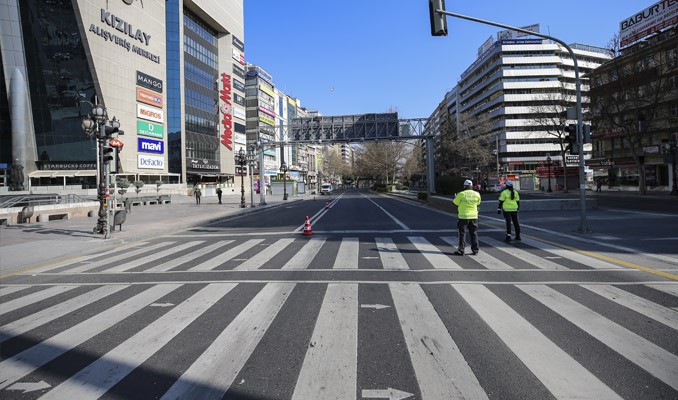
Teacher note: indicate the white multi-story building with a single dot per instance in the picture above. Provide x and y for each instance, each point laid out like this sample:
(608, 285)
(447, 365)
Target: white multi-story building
(510, 87)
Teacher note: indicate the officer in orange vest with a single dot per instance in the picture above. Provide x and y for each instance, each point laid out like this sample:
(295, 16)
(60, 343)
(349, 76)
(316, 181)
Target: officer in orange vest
(467, 202)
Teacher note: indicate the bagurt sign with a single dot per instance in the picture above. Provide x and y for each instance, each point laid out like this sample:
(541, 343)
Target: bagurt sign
(150, 113)
(145, 161)
(658, 16)
(145, 128)
(151, 146)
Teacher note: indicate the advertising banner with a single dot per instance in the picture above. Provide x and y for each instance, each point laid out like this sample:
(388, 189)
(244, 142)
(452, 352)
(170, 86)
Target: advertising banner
(151, 146)
(149, 97)
(656, 17)
(145, 128)
(150, 113)
(146, 161)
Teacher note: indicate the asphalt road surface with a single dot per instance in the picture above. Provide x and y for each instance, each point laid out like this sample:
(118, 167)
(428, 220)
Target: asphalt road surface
(372, 305)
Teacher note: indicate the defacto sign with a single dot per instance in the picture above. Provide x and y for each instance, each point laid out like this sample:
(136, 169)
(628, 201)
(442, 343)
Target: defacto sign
(151, 146)
(149, 97)
(149, 82)
(150, 113)
(145, 161)
(150, 129)
(658, 16)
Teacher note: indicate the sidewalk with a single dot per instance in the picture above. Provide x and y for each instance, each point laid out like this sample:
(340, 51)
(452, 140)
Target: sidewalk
(25, 246)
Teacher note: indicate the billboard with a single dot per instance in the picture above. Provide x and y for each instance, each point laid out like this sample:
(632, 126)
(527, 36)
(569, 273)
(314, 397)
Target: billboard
(656, 17)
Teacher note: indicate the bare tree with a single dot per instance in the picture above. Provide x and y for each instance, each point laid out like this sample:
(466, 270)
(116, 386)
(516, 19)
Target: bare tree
(627, 97)
(467, 145)
(549, 114)
(413, 164)
(382, 160)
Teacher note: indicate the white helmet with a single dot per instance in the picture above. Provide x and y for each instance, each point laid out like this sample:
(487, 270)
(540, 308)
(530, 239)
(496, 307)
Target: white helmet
(468, 182)
(509, 182)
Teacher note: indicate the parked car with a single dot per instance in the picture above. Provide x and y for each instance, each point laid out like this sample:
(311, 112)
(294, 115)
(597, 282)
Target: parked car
(494, 188)
(326, 188)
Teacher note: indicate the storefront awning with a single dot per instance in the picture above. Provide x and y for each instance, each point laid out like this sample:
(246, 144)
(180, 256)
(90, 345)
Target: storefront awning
(62, 173)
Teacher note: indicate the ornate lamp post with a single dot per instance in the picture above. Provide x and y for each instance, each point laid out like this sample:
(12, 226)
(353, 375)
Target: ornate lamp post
(252, 158)
(283, 169)
(241, 160)
(95, 125)
(548, 162)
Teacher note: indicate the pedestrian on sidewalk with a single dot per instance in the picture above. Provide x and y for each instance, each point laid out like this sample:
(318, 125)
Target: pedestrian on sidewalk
(509, 204)
(197, 194)
(467, 202)
(219, 194)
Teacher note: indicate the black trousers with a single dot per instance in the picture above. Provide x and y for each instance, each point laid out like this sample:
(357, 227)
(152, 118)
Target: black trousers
(472, 226)
(512, 216)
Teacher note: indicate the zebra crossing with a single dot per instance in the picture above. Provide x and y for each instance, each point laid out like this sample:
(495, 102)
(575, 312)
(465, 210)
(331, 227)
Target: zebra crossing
(445, 361)
(352, 253)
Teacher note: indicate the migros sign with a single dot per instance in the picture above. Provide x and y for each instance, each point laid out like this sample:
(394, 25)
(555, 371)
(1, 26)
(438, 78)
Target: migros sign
(150, 113)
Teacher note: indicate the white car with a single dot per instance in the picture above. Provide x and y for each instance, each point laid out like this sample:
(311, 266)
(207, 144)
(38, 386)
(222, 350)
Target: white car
(326, 188)
(494, 188)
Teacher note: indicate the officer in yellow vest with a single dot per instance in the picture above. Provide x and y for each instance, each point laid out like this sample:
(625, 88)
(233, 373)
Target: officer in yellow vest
(509, 203)
(467, 202)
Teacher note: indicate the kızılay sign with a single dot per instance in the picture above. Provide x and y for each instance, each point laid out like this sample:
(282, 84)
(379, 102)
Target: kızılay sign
(151, 146)
(145, 128)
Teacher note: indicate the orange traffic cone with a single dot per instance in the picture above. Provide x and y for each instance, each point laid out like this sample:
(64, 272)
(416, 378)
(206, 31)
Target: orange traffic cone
(307, 228)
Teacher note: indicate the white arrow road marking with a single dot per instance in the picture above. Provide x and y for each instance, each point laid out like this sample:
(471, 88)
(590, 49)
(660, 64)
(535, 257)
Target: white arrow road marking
(26, 387)
(390, 393)
(162, 305)
(375, 306)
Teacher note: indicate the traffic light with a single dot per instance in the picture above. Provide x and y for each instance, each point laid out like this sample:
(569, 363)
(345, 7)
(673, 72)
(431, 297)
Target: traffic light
(586, 137)
(107, 154)
(571, 138)
(112, 132)
(438, 21)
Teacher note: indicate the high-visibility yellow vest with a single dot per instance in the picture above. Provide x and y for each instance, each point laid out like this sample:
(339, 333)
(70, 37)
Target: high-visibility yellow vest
(508, 203)
(467, 203)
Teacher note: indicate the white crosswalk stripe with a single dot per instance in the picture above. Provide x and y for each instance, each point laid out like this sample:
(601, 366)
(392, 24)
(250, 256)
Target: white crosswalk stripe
(571, 255)
(444, 362)
(102, 260)
(432, 254)
(390, 255)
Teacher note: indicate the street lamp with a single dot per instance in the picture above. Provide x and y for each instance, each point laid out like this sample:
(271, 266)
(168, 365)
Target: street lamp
(241, 160)
(283, 169)
(670, 151)
(95, 125)
(251, 158)
(548, 162)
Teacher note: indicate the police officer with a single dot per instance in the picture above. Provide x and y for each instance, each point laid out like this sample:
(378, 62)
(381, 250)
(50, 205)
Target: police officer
(467, 202)
(509, 203)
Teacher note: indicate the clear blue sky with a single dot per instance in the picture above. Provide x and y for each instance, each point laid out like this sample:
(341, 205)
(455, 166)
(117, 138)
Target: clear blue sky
(365, 56)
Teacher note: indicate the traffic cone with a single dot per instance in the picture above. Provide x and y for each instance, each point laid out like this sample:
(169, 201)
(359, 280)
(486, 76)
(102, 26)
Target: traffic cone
(307, 228)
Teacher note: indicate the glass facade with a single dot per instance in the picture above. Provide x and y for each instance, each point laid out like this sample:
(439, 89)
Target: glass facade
(5, 127)
(200, 91)
(173, 56)
(59, 79)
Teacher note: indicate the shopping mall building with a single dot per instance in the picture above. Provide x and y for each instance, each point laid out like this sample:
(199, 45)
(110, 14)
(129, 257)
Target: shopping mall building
(171, 71)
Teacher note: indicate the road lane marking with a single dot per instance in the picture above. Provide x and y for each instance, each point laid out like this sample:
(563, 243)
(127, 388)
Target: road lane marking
(166, 266)
(77, 259)
(330, 366)
(151, 257)
(32, 298)
(440, 368)
(390, 256)
(210, 376)
(22, 364)
(671, 289)
(49, 314)
(101, 260)
(265, 255)
(482, 257)
(638, 304)
(432, 254)
(647, 355)
(569, 254)
(4, 290)
(347, 257)
(562, 375)
(221, 258)
(396, 220)
(303, 258)
(109, 369)
(523, 255)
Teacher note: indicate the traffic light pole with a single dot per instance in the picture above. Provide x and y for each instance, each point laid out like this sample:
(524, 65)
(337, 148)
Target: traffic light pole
(580, 118)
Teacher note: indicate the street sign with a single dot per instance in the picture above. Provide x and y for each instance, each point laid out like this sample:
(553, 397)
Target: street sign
(571, 159)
